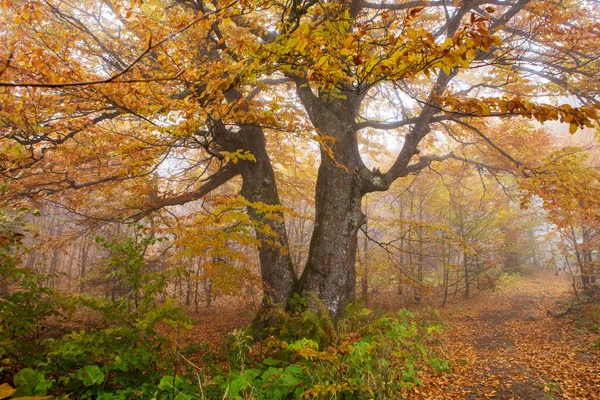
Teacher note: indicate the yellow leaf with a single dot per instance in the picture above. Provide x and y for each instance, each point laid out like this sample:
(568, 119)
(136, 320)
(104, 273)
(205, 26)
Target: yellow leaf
(6, 390)
(573, 127)
(31, 398)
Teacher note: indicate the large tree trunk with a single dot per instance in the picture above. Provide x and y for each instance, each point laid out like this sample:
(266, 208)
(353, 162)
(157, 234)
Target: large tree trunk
(330, 272)
(278, 274)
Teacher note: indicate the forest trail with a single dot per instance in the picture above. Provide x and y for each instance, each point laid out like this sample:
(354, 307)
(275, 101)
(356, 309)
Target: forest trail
(503, 345)
(495, 352)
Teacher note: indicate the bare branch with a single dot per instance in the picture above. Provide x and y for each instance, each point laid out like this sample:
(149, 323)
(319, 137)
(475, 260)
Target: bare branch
(425, 161)
(490, 142)
(111, 79)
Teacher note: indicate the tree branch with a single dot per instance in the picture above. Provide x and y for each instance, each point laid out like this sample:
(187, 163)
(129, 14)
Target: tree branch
(425, 161)
(217, 179)
(113, 78)
(490, 142)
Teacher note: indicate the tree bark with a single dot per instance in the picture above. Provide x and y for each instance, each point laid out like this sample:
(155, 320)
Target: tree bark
(278, 274)
(330, 272)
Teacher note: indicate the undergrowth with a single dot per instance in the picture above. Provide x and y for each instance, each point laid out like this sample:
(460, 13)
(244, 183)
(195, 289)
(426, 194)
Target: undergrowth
(304, 354)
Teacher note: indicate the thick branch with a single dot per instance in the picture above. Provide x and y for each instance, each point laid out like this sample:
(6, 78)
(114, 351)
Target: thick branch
(217, 179)
(420, 129)
(447, 116)
(402, 6)
(425, 161)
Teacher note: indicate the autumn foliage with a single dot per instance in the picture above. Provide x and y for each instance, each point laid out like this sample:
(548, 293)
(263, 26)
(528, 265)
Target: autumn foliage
(288, 158)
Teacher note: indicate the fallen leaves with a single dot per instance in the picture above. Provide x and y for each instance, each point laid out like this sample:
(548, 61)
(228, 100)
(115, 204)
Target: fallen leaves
(497, 355)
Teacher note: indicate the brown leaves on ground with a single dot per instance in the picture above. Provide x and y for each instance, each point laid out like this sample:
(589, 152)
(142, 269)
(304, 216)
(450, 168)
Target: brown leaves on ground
(497, 353)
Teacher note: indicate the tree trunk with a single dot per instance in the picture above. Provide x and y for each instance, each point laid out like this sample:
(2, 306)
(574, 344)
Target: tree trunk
(420, 266)
(207, 283)
(446, 284)
(70, 269)
(330, 271)
(83, 266)
(197, 282)
(278, 274)
(467, 278)
(365, 280)
(259, 186)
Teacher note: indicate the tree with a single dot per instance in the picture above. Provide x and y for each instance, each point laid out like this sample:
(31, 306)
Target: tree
(148, 105)
(569, 190)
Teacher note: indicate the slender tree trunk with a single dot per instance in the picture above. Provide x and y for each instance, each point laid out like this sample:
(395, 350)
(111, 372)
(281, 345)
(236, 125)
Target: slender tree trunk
(582, 261)
(30, 263)
(467, 281)
(197, 283)
(83, 266)
(188, 292)
(70, 269)
(365, 280)
(446, 279)
(400, 288)
(457, 277)
(420, 266)
(207, 283)
(587, 247)
(401, 257)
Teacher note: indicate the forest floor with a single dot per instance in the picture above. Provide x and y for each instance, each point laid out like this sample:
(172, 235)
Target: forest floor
(501, 344)
(504, 345)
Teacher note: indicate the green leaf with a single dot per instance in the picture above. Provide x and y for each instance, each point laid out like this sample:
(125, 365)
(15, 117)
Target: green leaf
(271, 362)
(236, 386)
(26, 380)
(91, 375)
(168, 382)
(251, 374)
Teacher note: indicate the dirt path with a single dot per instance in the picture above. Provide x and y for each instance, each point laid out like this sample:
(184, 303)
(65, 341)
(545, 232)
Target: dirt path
(504, 346)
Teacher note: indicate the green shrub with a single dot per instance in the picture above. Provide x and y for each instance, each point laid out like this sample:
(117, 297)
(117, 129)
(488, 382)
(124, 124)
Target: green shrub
(380, 359)
(26, 304)
(126, 358)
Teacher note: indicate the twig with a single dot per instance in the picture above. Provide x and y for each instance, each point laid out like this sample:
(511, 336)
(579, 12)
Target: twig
(113, 78)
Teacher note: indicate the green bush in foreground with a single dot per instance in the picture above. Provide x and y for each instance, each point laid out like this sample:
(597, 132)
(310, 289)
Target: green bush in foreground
(380, 360)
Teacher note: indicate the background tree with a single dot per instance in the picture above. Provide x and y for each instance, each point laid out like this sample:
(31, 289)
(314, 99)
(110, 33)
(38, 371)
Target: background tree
(569, 188)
